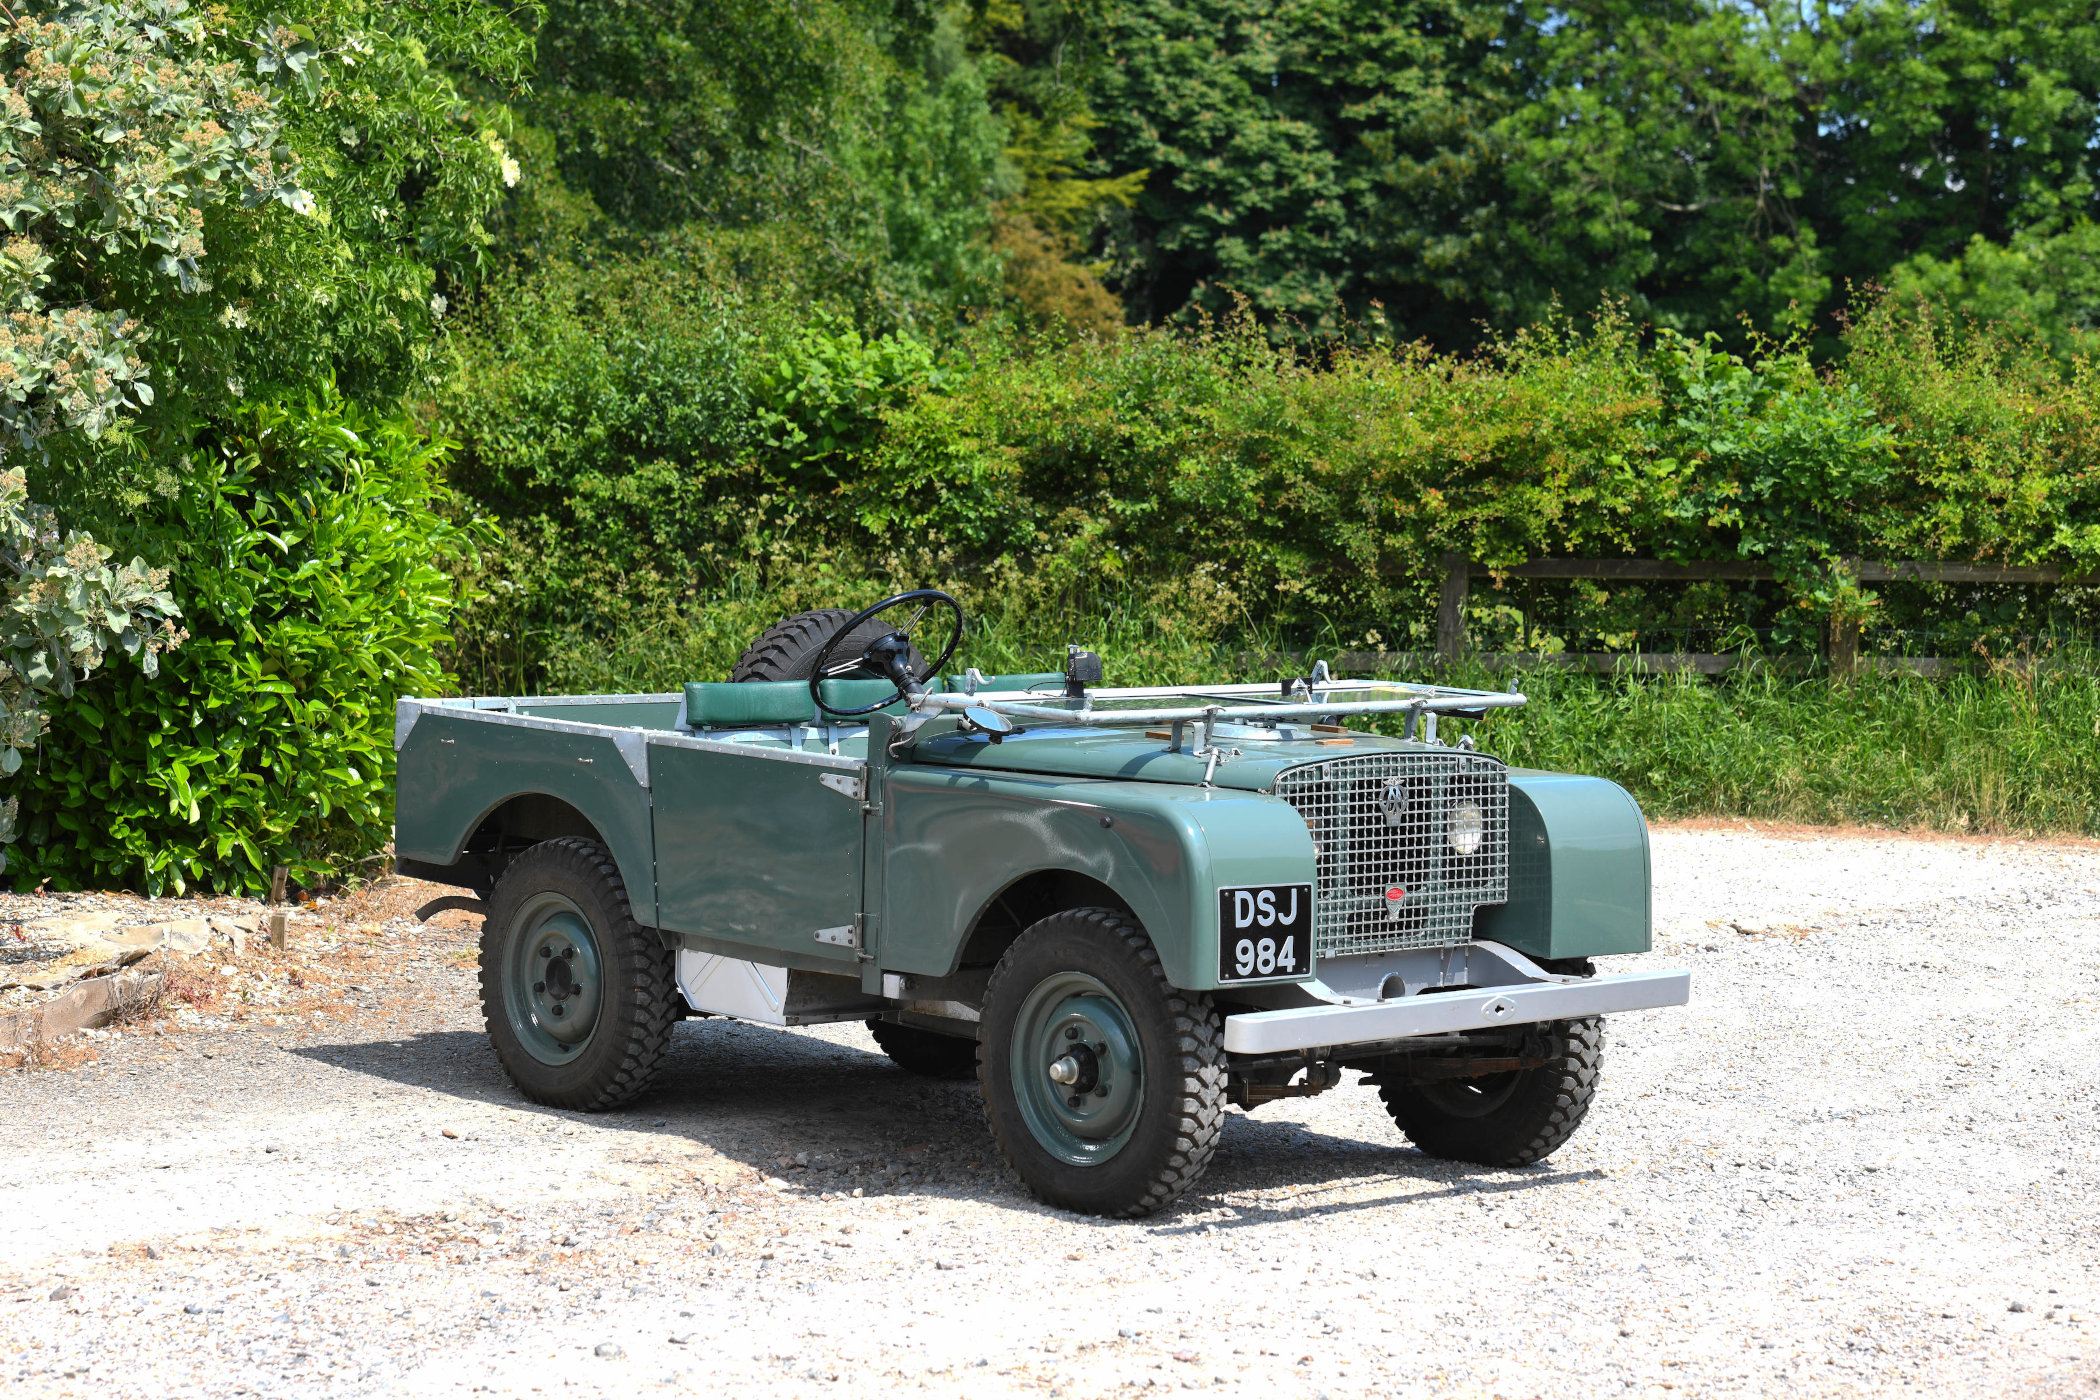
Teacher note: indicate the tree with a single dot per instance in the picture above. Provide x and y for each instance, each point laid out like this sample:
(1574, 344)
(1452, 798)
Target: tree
(850, 143)
(1462, 162)
(183, 192)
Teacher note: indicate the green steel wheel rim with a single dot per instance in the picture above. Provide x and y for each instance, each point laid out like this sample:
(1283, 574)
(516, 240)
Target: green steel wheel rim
(553, 979)
(1072, 1025)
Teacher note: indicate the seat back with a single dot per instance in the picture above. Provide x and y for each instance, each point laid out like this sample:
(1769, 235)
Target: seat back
(748, 704)
(852, 694)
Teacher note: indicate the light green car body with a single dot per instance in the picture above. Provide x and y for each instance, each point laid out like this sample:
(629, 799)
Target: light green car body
(752, 842)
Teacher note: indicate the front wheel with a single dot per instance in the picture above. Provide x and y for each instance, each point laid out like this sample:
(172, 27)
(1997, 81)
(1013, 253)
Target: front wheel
(579, 998)
(1104, 1086)
(1511, 1119)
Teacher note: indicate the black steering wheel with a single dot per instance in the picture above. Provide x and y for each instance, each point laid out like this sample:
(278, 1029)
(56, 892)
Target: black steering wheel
(888, 656)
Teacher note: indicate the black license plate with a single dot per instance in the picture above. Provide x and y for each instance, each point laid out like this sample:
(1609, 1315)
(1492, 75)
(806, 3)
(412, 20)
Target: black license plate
(1264, 931)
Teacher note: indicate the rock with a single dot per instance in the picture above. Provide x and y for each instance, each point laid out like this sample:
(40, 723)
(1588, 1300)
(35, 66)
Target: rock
(2017, 1307)
(90, 1003)
(448, 1132)
(192, 1309)
(153, 1251)
(610, 1350)
(61, 1293)
(679, 1339)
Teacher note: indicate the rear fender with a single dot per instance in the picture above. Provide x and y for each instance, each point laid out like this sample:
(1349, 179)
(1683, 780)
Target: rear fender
(455, 771)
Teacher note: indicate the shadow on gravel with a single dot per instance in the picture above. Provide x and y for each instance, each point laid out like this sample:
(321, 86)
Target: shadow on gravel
(755, 1095)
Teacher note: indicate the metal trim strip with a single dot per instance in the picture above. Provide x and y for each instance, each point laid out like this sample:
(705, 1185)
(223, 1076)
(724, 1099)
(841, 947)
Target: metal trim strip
(633, 744)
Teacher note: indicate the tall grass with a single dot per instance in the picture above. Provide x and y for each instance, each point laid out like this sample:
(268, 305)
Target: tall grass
(1999, 751)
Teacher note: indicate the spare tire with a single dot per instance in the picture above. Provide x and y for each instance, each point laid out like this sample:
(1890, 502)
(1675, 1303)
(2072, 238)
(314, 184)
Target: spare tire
(787, 651)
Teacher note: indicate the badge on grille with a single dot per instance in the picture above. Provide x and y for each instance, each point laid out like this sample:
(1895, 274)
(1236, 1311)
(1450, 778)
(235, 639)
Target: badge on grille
(1394, 898)
(1393, 806)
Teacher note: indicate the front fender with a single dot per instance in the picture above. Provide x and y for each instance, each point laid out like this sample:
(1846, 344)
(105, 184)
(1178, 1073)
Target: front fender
(952, 841)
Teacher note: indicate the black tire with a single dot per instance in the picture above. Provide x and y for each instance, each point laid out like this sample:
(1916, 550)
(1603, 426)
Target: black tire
(1504, 1120)
(925, 1052)
(1176, 1112)
(787, 651)
(636, 1000)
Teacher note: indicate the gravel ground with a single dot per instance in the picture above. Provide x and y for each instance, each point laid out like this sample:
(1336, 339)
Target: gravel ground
(1863, 1161)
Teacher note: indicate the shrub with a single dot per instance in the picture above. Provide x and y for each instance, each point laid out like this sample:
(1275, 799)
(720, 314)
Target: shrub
(310, 556)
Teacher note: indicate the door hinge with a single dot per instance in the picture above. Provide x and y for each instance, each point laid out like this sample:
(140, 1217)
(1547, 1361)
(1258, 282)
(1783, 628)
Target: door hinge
(853, 935)
(853, 785)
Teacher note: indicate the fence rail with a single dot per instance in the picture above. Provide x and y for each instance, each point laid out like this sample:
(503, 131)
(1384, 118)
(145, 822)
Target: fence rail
(1844, 654)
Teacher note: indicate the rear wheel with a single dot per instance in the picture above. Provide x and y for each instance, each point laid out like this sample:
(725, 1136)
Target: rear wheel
(925, 1052)
(787, 651)
(1504, 1120)
(1104, 1085)
(578, 997)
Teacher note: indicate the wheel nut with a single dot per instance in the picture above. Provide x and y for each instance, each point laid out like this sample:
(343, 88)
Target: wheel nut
(546, 952)
(539, 986)
(559, 1008)
(1071, 1032)
(1101, 1091)
(1065, 1071)
(1073, 1102)
(569, 953)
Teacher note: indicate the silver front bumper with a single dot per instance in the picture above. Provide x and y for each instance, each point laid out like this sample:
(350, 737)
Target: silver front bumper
(1441, 1013)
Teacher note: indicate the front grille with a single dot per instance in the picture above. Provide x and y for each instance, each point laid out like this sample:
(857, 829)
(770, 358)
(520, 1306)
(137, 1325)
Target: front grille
(1365, 854)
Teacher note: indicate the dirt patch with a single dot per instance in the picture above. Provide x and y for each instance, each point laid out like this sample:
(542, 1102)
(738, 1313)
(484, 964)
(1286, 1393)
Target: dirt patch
(353, 964)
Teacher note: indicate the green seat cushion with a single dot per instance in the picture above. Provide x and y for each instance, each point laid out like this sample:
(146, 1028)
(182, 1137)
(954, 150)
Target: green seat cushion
(852, 694)
(735, 704)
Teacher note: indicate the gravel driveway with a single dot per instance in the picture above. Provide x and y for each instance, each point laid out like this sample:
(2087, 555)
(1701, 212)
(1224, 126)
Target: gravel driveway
(1864, 1160)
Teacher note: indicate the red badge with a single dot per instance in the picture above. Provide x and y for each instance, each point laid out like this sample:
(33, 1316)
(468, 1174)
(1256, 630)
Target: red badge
(1396, 894)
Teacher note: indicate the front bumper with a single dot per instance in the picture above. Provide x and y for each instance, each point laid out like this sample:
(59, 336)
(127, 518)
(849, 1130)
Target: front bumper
(1519, 1002)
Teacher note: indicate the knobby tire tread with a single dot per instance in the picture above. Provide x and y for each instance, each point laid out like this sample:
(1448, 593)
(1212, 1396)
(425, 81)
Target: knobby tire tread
(773, 657)
(1198, 1035)
(925, 1052)
(1570, 1086)
(650, 1003)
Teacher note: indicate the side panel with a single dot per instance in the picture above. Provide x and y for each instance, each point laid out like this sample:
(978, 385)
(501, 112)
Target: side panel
(619, 714)
(454, 770)
(1578, 870)
(953, 840)
(754, 851)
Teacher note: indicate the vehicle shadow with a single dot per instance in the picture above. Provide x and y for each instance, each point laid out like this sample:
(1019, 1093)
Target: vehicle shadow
(830, 1114)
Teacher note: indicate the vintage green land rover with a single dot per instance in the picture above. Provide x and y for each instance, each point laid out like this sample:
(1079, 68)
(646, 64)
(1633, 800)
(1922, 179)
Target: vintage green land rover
(1120, 909)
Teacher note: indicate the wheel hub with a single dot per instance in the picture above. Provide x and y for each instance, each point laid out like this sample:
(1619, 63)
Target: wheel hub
(553, 987)
(1077, 1068)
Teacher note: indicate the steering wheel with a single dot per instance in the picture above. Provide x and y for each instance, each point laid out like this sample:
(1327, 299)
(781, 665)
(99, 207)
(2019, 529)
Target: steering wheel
(888, 656)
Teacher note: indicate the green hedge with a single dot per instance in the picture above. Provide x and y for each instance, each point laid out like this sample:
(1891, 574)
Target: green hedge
(310, 559)
(674, 465)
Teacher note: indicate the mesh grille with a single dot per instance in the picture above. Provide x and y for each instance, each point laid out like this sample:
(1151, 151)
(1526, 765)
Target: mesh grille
(1386, 822)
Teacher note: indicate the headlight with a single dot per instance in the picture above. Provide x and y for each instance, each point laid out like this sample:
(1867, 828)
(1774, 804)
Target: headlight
(1466, 829)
